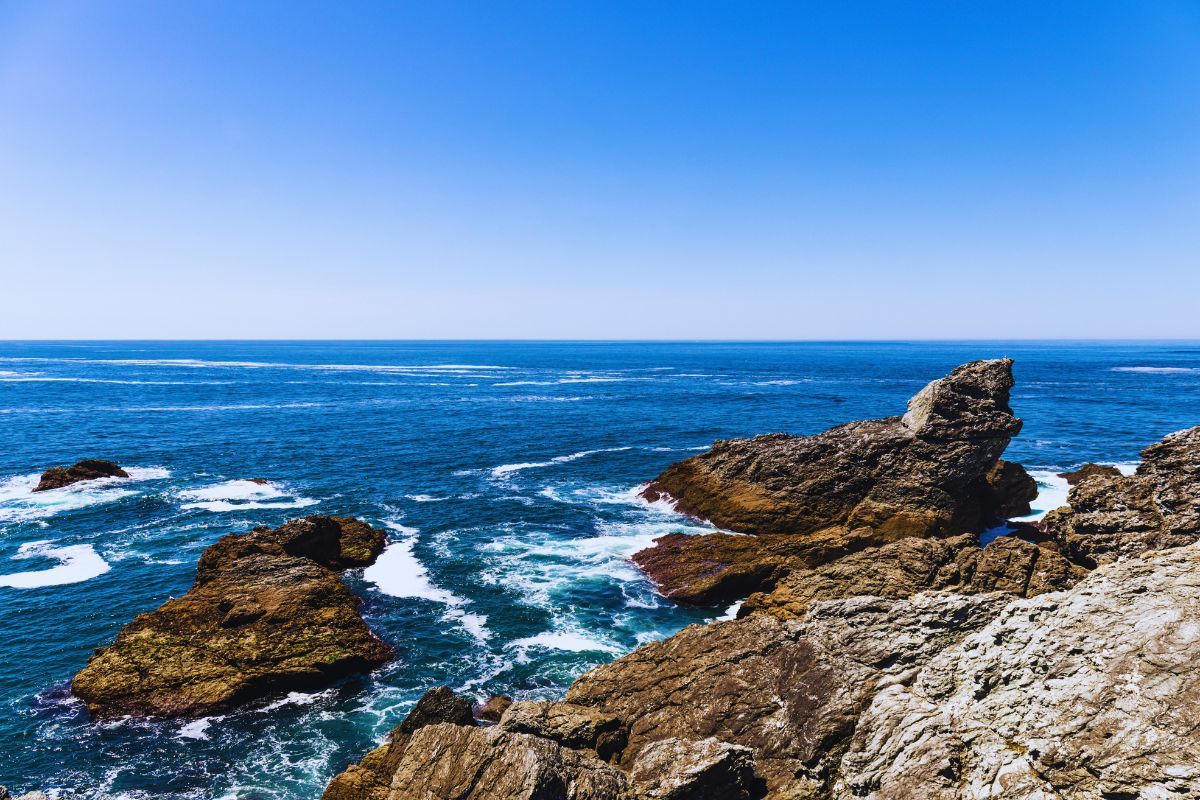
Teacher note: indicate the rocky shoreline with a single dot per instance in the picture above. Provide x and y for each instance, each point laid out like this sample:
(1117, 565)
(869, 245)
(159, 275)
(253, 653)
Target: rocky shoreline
(882, 651)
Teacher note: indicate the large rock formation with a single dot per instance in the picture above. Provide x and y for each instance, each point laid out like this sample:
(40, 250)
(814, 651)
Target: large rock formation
(934, 472)
(268, 613)
(86, 470)
(1112, 516)
(1092, 692)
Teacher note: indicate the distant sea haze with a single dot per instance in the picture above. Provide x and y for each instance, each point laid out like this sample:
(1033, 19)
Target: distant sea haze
(506, 475)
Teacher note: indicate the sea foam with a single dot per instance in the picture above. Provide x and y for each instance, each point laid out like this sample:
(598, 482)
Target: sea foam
(76, 563)
(240, 495)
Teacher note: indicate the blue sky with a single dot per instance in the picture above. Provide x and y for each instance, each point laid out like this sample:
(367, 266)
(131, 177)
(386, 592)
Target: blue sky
(599, 170)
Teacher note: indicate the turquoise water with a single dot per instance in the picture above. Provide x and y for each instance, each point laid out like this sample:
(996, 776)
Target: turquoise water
(503, 471)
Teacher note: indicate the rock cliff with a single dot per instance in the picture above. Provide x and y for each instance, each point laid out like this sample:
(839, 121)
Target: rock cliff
(267, 613)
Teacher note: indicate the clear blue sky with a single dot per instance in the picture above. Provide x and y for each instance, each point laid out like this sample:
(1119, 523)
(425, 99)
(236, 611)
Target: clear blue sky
(599, 170)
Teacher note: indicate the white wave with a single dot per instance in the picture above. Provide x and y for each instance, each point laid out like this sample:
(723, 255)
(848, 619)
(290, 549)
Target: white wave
(1157, 370)
(424, 498)
(297, 699)
(195, 363)
(508, 469)
(77, 563)
(780, 382)
(20, 503)
(399, 573)
(196, 729)
(1052, 494)
(731, 612)
(570, 641)
(1125, 467)
(241, 495)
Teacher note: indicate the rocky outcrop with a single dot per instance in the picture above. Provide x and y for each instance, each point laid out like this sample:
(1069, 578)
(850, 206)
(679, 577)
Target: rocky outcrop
(371, 778)
(268, 613)
(86, 470)
(935, 472)
(1092, 693)
(1114, 516)
(923, 474)
(1076, 476)
(912, 565)
(6, 795)
(494, 708)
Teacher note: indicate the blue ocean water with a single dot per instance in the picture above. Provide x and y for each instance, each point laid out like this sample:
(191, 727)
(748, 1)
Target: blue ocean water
(505, 473)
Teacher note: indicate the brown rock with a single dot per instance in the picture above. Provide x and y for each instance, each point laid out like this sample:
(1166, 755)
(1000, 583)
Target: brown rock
(494, 708)
(934, 472)
(913, 565)
(1114, 516)
(922, 474)
(675, 769)
(371, 778)
(576, 727)
(1087, 471)
(86, 470)
(267, 614)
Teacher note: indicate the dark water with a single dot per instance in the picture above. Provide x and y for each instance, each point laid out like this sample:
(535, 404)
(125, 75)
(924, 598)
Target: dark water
(503, 470)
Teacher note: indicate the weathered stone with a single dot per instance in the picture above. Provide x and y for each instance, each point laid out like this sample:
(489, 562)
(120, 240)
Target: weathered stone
(675, 769)
(267, 614)
(1087, 471)
(912, 565)
(371, 778)
(494, 708)
(922, 474)
(810, 500)
(577, 727)
(86, 470)
(1090, 693)
(1116, 516)
(450, 762)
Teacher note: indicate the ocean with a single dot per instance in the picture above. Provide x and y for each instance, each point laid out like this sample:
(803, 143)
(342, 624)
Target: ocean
(504, 472)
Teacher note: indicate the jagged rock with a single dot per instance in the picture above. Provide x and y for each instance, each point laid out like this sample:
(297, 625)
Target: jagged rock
(371, 778)
(85, 470)
(267, 614)
(450, 762)
(788, 689)
(494, 708)
(1087, 471)
(934, 472)
(1114, 516)
(6, 795)
(577, 727)
(912, 565)
(675, 769)
(917, 475)
(1090, 693)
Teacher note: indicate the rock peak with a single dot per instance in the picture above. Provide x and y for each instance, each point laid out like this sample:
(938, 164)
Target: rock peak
(972, 402)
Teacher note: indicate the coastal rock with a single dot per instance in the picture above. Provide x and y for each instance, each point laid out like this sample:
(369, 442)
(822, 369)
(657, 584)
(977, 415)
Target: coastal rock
(371, 778)
(1076, 476)
(6, 795)
(1115, 516)
(577, 727)
(85, 470)
(494, 708)
(922, 474)
(267, 614)
(935, 472)
(1090, 693)
(675, 769)
(912, 565)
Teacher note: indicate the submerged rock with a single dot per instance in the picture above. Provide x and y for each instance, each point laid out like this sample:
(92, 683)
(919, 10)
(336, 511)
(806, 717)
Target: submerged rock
(1087, 471)
(935, 472)
(494, 708)
(267, 614)
(85, 470)
(1111, 516)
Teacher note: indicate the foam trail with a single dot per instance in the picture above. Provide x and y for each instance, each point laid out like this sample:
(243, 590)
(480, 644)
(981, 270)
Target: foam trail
(77, 563)
(239, 495)
(1157, 370)
(508, 469)
(399, 573)
(565, 640)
